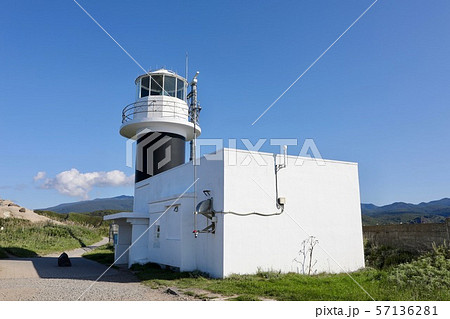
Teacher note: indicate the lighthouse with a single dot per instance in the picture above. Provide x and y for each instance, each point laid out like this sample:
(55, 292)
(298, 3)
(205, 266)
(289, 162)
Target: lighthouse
(232, 212)
(161, 121)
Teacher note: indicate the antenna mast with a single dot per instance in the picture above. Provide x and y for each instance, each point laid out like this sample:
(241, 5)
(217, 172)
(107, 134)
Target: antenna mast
(194, 112)
(186, 71)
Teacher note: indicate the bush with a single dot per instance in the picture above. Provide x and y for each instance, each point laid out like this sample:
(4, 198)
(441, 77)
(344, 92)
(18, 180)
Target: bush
(429, 272)
(3, 253)
(382, 257)
(52, 215)
(85, 220)
(75, 218)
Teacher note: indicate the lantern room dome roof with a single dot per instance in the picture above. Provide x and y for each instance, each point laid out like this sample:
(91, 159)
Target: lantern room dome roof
(161, 71)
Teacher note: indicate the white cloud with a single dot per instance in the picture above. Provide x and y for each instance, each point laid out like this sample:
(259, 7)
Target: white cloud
(74, 183)
(39, 176)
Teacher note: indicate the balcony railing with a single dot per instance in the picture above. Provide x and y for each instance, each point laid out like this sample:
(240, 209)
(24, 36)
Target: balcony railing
(155, 109)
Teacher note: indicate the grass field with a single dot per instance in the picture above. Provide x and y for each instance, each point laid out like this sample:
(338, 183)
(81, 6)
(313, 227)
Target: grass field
(22, 238)
(269, 285)
(405, 277)
(88, 219)
(103, 254)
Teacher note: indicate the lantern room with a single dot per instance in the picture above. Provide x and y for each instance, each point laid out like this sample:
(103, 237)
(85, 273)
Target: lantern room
(160, 106)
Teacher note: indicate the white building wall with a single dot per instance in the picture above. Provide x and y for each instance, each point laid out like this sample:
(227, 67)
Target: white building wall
(138, 251)
(322, 201)
(176, 245)
(209, 247)
(123, 242)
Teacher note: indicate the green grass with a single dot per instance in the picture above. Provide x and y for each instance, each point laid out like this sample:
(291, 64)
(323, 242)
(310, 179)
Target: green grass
(103, 254)
(52, 215)
(87, 219)
(291, 286)
(265, 285)
(407, 277)
(25, 239)
(425, 277)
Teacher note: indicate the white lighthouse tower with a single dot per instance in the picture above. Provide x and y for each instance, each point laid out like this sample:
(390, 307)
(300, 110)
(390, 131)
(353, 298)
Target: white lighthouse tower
(161, 121)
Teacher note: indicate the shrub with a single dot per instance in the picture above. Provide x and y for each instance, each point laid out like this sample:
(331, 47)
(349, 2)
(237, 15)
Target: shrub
(52, 215)
(75, 218)
(3, 253)
(429, 272)
(382, 257)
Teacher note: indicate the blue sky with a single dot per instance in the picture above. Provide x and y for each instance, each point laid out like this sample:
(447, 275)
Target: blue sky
(379, 97)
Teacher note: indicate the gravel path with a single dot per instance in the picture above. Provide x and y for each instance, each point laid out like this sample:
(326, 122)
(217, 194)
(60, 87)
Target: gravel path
(42, 279)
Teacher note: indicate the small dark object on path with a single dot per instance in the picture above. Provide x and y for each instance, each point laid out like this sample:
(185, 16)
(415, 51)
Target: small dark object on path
(171, 292)
(64, 261)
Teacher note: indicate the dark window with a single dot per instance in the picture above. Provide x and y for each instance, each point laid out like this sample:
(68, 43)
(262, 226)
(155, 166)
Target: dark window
(157, 85)
(144, 86)
(180, 89)
(169, 85)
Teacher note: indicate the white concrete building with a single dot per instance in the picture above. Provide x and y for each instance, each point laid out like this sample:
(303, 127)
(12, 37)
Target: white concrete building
(255, 209)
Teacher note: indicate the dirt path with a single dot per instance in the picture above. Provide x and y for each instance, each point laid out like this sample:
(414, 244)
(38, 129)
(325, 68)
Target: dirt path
(42, 279)
(80, 251)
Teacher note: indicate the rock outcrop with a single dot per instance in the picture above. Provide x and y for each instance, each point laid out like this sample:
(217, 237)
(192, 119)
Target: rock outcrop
(9, 209)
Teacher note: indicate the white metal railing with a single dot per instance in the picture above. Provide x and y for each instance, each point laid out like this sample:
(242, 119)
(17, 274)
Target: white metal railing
(154, 109)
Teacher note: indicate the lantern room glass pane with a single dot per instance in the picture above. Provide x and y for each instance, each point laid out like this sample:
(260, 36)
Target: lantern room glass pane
(180, 89)
(157, 85)
(169, 85)
(144, 86)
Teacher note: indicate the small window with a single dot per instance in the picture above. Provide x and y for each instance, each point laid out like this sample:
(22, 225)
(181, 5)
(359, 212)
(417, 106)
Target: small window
(180, 89)
(157, 85)
(169, 85)
(144, 86)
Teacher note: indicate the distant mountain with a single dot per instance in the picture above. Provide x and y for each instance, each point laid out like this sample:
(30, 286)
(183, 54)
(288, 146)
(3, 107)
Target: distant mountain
(123, 203)
(432, 212)
(437, 207)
